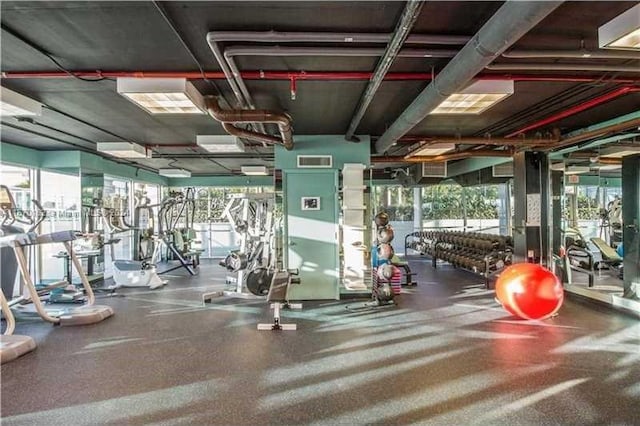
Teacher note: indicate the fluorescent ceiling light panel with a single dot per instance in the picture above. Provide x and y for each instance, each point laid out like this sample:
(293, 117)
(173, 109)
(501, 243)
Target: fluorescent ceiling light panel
(476, 98)
(14, 104)
(254, 170)
(622, 32)
(558, 167)
(124, 149)
(434, 149)
(607, 166)
(174, 173)
(619, 152)
(162, 95)
(220, 143)
(576, 170)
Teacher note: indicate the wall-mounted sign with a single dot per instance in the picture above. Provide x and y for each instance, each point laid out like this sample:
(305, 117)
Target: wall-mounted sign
(310, 203)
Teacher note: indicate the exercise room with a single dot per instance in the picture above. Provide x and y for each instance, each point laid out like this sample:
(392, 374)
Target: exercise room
(319, 212)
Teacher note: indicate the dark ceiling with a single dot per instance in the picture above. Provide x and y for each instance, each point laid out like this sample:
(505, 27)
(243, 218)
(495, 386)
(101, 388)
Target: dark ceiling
(146, 36)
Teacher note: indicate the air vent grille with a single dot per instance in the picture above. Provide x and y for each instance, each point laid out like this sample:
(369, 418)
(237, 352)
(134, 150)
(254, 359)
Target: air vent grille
(436, 169)
(315, 161)
(503, 170)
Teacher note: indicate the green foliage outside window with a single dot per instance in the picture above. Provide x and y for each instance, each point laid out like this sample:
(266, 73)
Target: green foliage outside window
(439, 202)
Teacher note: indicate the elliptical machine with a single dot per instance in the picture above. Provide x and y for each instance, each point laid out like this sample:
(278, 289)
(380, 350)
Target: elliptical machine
(130, 273)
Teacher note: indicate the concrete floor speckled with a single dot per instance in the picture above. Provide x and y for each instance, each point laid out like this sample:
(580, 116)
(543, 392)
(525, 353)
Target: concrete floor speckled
(446, 355)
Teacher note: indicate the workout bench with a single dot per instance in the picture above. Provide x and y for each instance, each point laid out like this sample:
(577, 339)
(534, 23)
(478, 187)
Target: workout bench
(278, 299)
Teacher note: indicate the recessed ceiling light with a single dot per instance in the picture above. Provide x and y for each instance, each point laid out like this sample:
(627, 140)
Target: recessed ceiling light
(619, 151)
(220, 143)
(433, 149)
(622, 32)
(174, 173)
(162, 95)
(14, 104)
(124, 149)
(254, 170)
(576, 170)
(476, 98)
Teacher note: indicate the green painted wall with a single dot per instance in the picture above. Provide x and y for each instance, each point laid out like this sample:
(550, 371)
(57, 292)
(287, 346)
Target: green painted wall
(606, 182)
(335, 145)
(19, 156)
(71, 162)
(314, 242)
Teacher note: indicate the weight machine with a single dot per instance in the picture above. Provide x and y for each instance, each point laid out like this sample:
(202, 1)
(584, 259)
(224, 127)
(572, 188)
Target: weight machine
(175, 230)
(254, 263)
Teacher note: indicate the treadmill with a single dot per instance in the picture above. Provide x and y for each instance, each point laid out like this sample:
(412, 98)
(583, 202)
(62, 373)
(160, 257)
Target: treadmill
(12, 345)
(89, 313)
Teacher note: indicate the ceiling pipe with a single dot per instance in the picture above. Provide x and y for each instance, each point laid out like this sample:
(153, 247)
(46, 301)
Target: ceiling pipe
(403, 28)
(328, 37)
(306, 75)
(241, 93)
(577, 108)
(226, 117)
(234, 77)
(410, 52)
(486, 141)
(505, 27)
(563, 67)
(583, 54)
(443, 157)
(597, 133)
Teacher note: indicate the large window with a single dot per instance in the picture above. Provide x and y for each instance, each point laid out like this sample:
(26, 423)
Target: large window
(20, 182)
(117, 198)
(212, 229)
(396, 200)
(60, 198)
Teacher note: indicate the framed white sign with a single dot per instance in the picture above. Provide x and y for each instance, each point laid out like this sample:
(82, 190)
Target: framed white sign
(310, 203)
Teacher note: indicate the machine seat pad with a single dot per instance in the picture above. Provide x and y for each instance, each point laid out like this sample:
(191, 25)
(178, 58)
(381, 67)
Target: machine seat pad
(56, 237)
(128, 265)
(13, 346)
(607, 251)
(395, 260)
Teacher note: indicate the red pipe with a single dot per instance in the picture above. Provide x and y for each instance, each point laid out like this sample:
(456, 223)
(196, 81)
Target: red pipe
(304, 75)
(577, 108)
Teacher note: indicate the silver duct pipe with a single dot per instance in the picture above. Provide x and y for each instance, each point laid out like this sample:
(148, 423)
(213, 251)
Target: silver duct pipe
(563, 67)
(505, 27)
(238, 86)
(559, 54)
(240, 91)
(322, 37)
(403, 28)
(333, 51)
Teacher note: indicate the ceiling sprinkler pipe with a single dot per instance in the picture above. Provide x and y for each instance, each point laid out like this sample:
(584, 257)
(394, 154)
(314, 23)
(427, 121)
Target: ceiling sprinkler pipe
(577, 108)
(307, 75)
(505, 27)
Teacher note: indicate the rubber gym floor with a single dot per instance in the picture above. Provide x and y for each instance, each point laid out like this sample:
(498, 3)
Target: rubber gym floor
(447, 354)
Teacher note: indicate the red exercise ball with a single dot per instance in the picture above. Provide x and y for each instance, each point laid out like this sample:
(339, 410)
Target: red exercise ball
(529, 291)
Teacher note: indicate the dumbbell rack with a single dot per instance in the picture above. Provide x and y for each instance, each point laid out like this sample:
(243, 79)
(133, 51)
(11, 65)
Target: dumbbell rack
(483, 254)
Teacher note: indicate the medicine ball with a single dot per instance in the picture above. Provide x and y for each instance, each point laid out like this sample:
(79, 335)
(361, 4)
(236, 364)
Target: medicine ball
(385, 251)
(385, 272)
(385, 235)
(381, 219)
